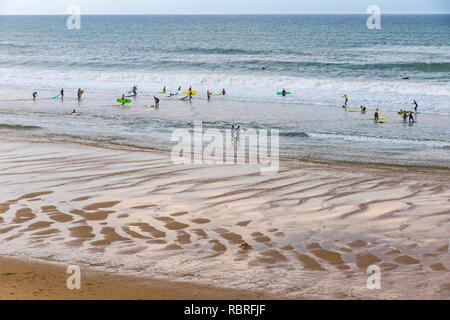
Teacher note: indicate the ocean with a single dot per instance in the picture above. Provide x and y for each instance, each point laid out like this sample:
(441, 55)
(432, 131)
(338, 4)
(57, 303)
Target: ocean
(319, 58)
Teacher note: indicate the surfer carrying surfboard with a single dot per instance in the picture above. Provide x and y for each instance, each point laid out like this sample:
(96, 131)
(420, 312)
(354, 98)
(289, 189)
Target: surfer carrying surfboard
(223, 91)
(208, 95)
(156, 102)
(375, 115)
(80, 93)
(123, 99)
(283, 92)
(34, 95)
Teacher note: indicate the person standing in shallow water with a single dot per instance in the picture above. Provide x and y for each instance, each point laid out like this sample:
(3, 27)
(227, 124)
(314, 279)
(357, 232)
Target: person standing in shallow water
(416, 105)
(346, 99)
(79, 94)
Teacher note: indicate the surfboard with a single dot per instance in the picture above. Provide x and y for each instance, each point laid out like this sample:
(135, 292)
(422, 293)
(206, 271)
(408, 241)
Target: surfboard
(344, 106)
(57, 96)
(281, 93)
(193, 92)
(124, 100)
(29, 99)
(131, 95)
(76, 114)
(380, 121)
(161, 92)
(354, 110)
(217, 94)
(381, 118)
(149, 105)
(184, 98)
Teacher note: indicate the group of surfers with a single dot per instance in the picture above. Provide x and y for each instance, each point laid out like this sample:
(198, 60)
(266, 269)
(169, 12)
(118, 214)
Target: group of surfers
(188, 95)
(407, 115)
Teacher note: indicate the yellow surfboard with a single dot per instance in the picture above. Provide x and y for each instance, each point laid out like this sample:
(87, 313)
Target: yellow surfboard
(193, 92)
(150, 105)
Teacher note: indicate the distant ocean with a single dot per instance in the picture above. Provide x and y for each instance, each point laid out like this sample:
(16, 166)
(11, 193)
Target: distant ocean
(319, 58)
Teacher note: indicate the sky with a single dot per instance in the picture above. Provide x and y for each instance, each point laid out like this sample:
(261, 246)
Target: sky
(221, 6)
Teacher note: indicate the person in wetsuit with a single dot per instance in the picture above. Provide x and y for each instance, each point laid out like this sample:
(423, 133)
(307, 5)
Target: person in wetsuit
(415, 104)
(375, 115)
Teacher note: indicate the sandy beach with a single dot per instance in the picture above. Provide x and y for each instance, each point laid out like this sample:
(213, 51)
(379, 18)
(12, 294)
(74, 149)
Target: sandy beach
(26, 280)
(126, 214)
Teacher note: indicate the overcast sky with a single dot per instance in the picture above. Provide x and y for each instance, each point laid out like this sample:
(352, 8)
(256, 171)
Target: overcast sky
(221, 6)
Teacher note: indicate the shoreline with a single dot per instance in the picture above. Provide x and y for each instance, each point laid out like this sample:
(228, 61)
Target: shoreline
(55, 138)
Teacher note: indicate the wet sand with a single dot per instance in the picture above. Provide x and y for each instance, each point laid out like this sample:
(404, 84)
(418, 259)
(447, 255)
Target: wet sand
(309, 231)
(27, 280)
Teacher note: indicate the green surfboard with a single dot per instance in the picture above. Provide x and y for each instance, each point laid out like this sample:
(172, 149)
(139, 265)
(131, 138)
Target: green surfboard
(124, 100)
(280, 93)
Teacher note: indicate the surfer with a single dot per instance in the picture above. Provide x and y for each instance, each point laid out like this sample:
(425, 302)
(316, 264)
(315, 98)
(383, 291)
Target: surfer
(123, 99)
(233, 132)
(156, 102)
(415, 105)
(74, 111)
(411, 118)
(346, 99)
(223, 91)
(164, 89)
(179, 88)
(375, 115)
(134, 90)
(34, 95)
(62, 93)
(283, 92)
(208, 95)
(80, 92)
(363, 109)
(405, 115)
(238, 132)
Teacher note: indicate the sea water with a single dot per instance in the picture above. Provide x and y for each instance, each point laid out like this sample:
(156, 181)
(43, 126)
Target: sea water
(319, 58)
